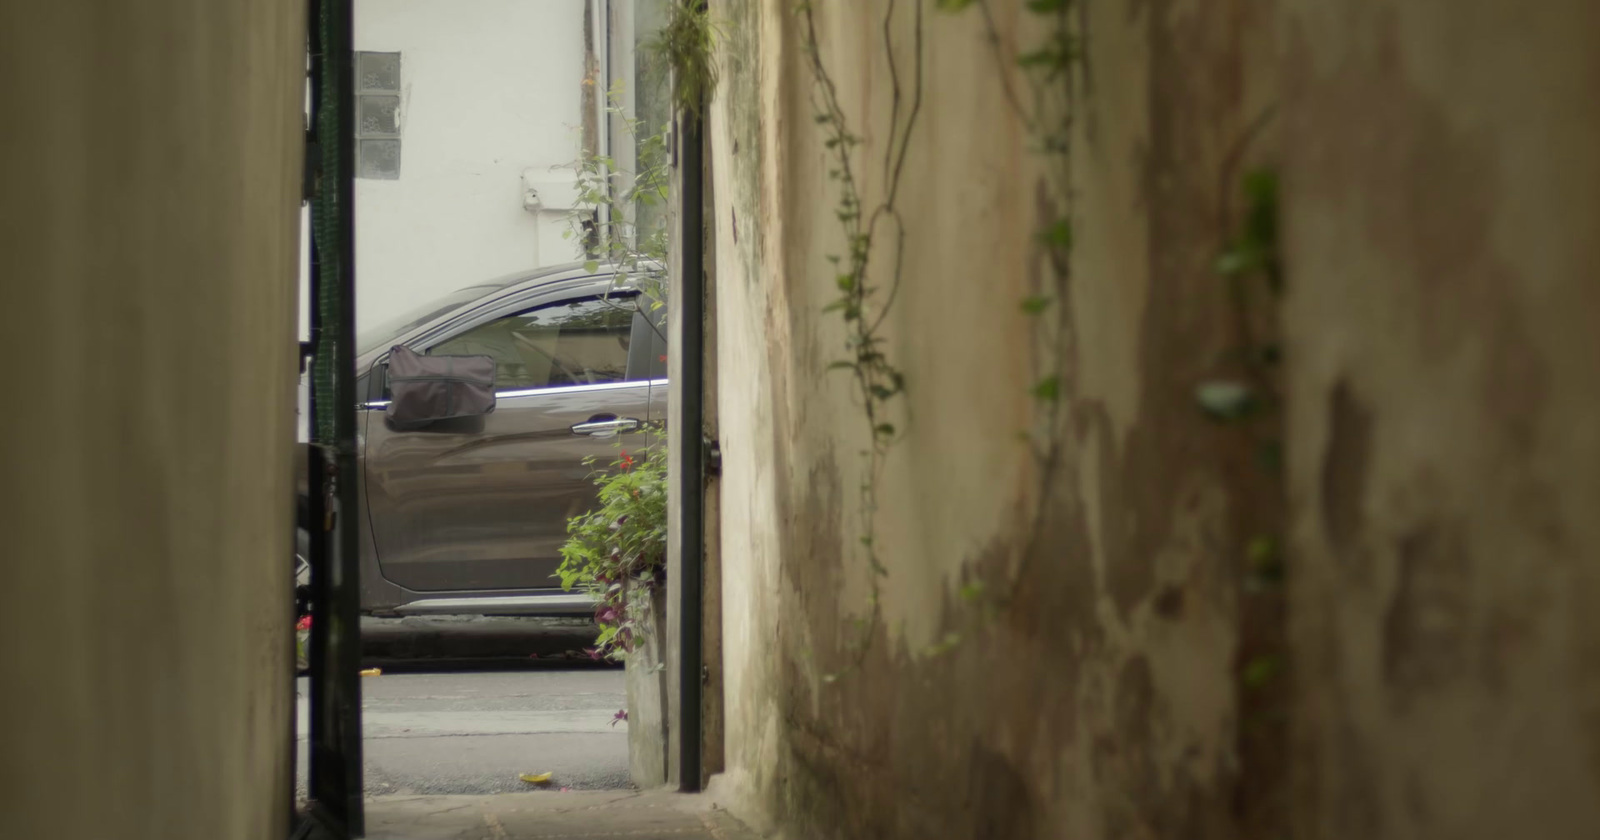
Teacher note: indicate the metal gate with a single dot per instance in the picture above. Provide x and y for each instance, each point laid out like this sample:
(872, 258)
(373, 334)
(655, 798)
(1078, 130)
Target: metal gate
(335, 807)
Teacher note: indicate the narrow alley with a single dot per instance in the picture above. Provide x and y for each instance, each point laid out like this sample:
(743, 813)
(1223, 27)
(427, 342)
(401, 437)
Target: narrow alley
(902, 419)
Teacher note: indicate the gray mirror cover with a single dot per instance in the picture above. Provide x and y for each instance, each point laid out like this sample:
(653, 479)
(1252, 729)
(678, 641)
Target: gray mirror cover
(424, 389)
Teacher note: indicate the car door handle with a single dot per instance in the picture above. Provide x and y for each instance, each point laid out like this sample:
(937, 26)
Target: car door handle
(606, 428)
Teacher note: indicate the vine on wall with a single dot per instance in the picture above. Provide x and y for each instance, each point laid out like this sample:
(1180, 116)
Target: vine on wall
(1046, 107)
(610, 203)
(862, 305)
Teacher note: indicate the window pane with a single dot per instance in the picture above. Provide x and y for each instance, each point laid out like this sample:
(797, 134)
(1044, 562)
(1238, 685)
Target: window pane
(581, 342)
(377, 115)
(378, 159)
(378, 71)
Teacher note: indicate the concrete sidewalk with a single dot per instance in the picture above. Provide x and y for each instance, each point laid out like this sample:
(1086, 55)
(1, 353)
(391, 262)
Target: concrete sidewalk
(552, 816)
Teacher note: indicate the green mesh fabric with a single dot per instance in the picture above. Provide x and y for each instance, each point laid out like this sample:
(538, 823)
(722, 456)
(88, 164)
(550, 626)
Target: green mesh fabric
(325, 235)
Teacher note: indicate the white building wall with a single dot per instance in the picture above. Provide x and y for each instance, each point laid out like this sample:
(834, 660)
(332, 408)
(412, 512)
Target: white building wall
(489, 88)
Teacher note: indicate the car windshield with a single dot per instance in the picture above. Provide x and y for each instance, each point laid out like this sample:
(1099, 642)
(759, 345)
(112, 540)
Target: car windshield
(385, 332)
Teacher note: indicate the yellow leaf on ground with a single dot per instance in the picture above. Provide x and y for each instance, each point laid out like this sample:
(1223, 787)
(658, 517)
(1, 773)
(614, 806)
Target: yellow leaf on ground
(540, 779)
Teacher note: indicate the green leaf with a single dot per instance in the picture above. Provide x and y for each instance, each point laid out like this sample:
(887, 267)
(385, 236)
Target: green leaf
(1241, 259)
(885, 429)
(591, 266)
(1261, 186)
(1260, 671)
(842, 366)
(1045, 6)
(845, 282)
(1269, 455)
(1226, 400)
(1035, 304)
(1262, 551)
(1048, 388)
(1058, 234)
(972, 591)
(950, 641)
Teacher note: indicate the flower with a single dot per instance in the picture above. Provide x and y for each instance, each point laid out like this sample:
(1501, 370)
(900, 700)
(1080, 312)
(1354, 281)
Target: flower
(627, 460)
(304, 623)
(594, 653)
(622, 714)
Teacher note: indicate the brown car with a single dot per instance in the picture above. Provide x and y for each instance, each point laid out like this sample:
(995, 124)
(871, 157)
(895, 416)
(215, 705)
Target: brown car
(466, 516)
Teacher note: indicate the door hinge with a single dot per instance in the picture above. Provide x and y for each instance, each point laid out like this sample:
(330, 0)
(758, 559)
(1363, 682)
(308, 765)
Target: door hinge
(713, 457)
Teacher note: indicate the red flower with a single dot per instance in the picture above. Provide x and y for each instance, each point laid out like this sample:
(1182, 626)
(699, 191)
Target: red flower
(627, 461)
(663, 357)
(304, 623)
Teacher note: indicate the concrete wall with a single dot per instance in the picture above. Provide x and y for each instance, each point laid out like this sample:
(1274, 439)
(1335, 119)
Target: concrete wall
(1439, 167)
(490, 88)
(1442, 162)
(149, 226)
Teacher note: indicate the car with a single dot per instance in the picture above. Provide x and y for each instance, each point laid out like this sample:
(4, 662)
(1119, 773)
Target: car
(466, 516)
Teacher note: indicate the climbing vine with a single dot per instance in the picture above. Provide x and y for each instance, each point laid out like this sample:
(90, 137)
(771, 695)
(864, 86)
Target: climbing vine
(1041, 86)
(687, 45)
(610, 200)
(861, 304)
(1251, 265)
(1045, 105)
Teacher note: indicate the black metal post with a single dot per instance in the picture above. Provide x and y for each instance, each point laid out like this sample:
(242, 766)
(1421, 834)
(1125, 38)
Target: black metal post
(689, 296)
(335, 737)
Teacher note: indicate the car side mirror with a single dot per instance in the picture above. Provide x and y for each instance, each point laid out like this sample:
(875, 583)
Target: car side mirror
(427, 389)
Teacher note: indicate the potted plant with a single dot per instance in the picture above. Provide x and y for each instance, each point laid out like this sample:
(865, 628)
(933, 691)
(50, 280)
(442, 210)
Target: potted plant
(617, 552)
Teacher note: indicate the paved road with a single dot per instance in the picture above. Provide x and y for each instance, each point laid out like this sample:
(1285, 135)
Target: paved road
(474, 732)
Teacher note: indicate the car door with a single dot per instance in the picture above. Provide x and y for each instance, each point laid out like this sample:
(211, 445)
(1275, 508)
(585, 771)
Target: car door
(482, 503)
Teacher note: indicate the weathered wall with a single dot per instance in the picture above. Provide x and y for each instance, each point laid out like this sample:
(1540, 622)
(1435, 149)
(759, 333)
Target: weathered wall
(1442, 172)
(1439, 166)
(149, 221)
(1097, 700)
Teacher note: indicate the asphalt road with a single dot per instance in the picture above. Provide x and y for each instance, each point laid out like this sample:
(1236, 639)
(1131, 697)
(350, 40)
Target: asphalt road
(457, 732)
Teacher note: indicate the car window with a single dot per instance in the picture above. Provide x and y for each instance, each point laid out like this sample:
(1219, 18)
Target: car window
(575, 342)
(383, 334)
